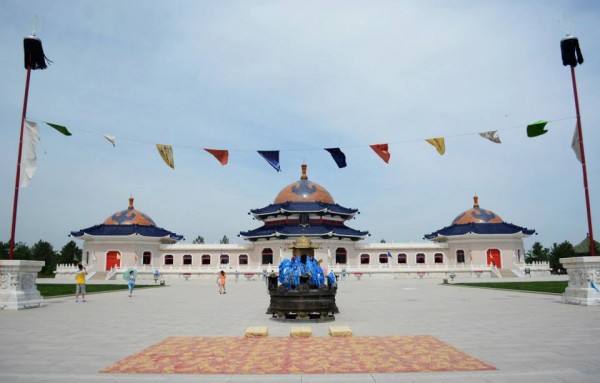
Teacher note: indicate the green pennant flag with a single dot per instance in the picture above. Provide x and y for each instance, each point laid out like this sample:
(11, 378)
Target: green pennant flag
(60, 128)
(536, 129)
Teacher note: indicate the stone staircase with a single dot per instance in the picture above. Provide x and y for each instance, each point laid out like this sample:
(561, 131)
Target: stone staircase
(99, 275)
(507, 273)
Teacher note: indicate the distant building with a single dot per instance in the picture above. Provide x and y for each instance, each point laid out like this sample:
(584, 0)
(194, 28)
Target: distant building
(477, 243)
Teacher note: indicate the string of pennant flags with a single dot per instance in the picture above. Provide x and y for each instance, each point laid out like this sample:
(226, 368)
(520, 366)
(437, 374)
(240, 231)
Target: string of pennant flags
(31, 138)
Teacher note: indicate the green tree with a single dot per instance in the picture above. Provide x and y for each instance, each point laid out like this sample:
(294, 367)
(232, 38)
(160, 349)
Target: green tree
(70, 253)
(43, 251)
(22, 251)
(538, 253)
(564, 250)
(4, 248)
(199, 240)
(224, 240)
(382, 241)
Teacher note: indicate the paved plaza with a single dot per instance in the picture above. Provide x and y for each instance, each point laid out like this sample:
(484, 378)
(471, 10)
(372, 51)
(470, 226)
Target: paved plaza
(528, 337)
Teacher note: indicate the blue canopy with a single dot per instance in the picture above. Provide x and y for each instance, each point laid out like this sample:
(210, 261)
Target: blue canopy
(479, 228)
(309, 231)
(304, 207)
(126, 230)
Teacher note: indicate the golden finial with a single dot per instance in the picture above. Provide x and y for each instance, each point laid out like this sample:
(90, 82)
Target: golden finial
(304, 176)
(130, 203)
(475, 201)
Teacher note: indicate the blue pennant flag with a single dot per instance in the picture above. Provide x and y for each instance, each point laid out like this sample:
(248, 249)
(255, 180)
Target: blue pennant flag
(338, 156)
(594, 286)
(389, 254)
(272, 157)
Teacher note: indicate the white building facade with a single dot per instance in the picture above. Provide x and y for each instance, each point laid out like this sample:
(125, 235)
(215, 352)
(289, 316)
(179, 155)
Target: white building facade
(477, 243)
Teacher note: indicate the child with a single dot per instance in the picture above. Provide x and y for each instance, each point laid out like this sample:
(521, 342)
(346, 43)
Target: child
(131, 282)
(80, 283)
(221, 278)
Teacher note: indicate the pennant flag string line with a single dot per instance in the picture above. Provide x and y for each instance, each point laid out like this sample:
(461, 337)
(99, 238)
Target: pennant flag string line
(297, 149)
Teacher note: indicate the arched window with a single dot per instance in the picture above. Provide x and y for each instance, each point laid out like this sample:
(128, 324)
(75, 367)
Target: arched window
(205, 259)
(365, 259)
(341, 256)
(460, 256)
(402, 258)
(243, 259)
(147, 258)
(383, 258)
(224, 259)
(267, 257)
(187, 259)
(438, 258)
(420, 258)
(168, 259)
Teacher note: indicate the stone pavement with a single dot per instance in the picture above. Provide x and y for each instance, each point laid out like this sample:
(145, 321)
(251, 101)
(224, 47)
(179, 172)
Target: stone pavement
(528, 337)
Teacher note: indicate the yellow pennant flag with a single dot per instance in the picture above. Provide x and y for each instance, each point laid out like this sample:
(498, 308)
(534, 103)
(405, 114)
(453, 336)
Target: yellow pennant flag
(166, 152)
(439, 144)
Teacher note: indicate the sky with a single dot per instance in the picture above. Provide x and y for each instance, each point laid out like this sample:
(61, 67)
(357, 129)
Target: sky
(298, 77)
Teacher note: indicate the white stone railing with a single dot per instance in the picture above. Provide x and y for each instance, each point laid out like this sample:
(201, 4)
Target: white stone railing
(397, 270)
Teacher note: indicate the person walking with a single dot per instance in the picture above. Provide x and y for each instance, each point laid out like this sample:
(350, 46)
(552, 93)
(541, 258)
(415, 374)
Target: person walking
(131, 282)
(221, 278)
(80, 283)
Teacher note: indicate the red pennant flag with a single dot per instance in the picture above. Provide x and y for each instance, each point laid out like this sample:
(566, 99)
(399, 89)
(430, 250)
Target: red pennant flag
(221, 155)
(382, 151)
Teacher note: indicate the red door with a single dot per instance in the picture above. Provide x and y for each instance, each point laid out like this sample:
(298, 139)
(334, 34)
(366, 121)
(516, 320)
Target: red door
(113, 258)
(493, 258)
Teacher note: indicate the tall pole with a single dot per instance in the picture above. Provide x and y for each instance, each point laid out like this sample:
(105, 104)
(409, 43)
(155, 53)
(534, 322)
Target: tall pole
(571, 56)
(11, 252)
(34, 59)
(583, 167)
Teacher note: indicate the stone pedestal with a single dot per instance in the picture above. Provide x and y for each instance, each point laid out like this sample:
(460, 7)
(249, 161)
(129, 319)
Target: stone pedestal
(17, 284)
(584, 280)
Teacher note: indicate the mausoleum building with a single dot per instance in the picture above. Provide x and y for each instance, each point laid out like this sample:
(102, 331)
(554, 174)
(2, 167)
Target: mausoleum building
(478, 242)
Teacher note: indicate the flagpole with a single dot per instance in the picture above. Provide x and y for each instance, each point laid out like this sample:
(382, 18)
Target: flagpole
(34, 59)
(583, 166)
(11, 252)
(571, 56)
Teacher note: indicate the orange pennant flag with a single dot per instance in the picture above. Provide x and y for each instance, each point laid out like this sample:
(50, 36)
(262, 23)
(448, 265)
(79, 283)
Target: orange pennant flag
(382, 151)
(221, 155)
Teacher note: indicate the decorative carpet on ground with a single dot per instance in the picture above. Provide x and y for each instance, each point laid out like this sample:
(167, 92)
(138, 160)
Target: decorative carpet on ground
(322, 355)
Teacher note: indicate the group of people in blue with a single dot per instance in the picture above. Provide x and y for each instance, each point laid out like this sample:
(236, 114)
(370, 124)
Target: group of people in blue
(307, 267)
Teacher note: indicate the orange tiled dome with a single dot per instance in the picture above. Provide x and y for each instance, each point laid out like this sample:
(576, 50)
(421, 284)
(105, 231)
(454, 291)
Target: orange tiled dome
(129, 217)
(477, 215)
(304, 191)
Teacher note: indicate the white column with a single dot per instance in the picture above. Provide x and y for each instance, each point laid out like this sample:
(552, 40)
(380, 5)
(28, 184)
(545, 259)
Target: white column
(584, 280)
(17, 284)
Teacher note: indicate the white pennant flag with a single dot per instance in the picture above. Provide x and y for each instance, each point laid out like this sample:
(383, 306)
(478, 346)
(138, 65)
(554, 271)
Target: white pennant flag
(110, 139)
(575, 144)
(280, 252)
(492, 135)
(31, 136)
